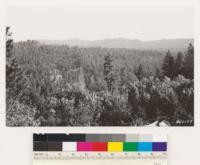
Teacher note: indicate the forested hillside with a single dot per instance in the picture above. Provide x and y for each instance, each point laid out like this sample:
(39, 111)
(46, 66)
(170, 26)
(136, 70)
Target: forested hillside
(58, 85)
(159, 45)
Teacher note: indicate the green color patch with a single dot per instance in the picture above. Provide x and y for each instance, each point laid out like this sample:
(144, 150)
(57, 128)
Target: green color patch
(130, 146)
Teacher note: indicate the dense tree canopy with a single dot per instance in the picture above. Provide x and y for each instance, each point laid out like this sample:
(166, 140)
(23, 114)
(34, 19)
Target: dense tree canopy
(58, 85)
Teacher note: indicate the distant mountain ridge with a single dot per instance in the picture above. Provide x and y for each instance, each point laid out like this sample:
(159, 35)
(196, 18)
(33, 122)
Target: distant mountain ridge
(164, 44)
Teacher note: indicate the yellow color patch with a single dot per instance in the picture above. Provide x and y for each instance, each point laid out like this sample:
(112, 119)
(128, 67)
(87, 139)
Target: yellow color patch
(115, 146)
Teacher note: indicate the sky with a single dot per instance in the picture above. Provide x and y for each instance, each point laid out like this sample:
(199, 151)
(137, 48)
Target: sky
(100, 22)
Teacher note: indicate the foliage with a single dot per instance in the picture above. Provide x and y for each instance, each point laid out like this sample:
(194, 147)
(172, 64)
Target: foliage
(140, 72)
(71, 86)
(178, 66)
(189, 63)
(108, 72)
(167, 99)
(18, 114)
(182, 65)
(168, 65)
(14, 76)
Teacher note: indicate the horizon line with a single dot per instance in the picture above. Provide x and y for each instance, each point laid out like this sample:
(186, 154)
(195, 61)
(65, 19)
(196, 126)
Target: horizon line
(116, 38)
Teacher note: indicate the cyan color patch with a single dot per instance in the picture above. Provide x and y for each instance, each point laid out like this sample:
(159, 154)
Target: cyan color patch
(145, 146)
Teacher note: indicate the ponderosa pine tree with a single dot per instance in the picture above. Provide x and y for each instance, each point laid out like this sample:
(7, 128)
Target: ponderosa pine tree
(168, 65)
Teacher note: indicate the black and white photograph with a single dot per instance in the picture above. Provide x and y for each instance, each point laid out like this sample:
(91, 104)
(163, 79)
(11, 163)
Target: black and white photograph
(107, 65)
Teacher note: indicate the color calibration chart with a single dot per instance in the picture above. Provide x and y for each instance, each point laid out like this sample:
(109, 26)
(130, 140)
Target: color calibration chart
(99, 149)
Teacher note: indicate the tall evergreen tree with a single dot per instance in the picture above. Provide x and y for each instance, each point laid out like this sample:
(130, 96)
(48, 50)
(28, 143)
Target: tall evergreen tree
(178, 66)
(140, 72)
(188, 67)
(168, 65)
(108, 74)
(13, 71)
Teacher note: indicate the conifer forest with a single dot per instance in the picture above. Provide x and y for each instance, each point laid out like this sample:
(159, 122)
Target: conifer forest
(62, 85)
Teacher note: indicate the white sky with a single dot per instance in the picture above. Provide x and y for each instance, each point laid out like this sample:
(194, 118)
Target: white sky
(100, 22)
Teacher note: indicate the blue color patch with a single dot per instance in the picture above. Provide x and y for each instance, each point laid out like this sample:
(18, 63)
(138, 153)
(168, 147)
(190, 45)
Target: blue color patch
(145, 146)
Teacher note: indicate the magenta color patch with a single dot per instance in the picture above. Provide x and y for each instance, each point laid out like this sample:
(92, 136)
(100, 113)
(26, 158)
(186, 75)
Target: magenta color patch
(84, 146)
